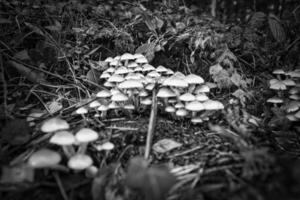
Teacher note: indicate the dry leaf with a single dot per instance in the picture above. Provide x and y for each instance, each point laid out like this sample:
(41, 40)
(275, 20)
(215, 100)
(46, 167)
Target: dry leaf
(165, 145)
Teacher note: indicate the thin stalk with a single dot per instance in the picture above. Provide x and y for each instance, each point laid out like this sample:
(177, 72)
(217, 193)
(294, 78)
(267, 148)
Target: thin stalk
(152, 124)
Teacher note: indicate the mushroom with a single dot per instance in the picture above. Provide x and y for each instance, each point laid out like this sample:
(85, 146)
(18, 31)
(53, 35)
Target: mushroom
(83, 137)
(194, 106)
(44, 158)
(126, 57)
(80, 162)
(54, 124)
(193, 80)
(165, 93)
(65, 139)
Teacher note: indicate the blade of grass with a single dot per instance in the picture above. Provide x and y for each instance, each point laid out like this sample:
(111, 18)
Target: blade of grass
(152, 124)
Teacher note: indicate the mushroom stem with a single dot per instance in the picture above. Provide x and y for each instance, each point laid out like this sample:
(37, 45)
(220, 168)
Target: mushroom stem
(82, 148)
(68, 150)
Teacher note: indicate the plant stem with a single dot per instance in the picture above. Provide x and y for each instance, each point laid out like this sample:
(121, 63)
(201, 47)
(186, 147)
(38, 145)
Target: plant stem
(152, 124)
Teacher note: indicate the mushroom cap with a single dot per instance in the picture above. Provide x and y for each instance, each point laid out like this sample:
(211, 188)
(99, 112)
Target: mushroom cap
(153, 74)
(105, 146)
(138, 69)
(194, 106)
(121, 70)
(297, 114)
(161, 69)
(146, 101)
(143, 93)
(170, 109)
(294, 90)
(275, 100)
(291, 117)
(194, 79)
(277, 85)
(141, 60)
(132, 64)
(130, 84)
(108, 59)
(138, 55)
(114, 62)
(85, 135)
(292, 106)
(211, 85)
(150, 86)
(119, 97)
(294, 97)
(170, 72)
(134, 76)
(201, 97)
(196, 120)
(165, 92)
(187, 97)
(110, 70)
(181, 112)
(94, 104)
(105, 75)
(127, 56)
(294, 74)
(109, 84)
(113, 105)
(147, 67)
(44, 158)
(103, 94)
(62, 138)
(179, 105)
(202, 89)
(278, 71)
(80, 162)
(81, 110)
(175, 82)
(289, 82)
(116, 78)
(212, 105)
(129, 107)
(103, 108)
(54, 124)
(179, 75)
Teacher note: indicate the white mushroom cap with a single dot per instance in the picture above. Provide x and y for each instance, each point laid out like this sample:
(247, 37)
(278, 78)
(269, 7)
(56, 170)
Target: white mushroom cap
(179, 105)
(187, 97)
(175, 82)
(114, 63)
(294, 74)
(289, 82)
(116, 78)
(194, 79)
(103, 108)
(80, 162)
(110, 70)
(141, 60)
(181, 112)
(134, 76)
(150, 86)
(121, 70)
(275, 100)
(143, 93)
(132, 65)
(129, 107)
(194, 106)
(113, 105)
(44, 158)
(105, 146)
(213, 105)
(119, 97)
(138, 69)
(54, 124)
(138, 55)
(85, 135)
(278, 71)
(201, 97)
(161, 69)
(105, 75)
(146, 101)
(103, 94)
(179, 75)
(127, 56)
(62, 138)
(196, 120)
(108, 60)
(202, 89)
(292, 106)
(109, 84)
(147, 67)
(81, 110)
(170, 109)
(94, 104)
(277, 85)
(170, 72)
(165, 92)
(153, 74)
(129, 84)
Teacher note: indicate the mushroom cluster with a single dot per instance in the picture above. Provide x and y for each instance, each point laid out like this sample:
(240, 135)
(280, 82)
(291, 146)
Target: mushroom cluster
(73, 145)
(130, 81)
(287, 87)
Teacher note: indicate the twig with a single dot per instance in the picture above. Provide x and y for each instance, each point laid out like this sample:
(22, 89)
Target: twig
(152, 124)
(4, 86)
(186, 152)
(61, 188)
